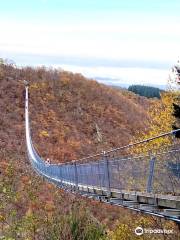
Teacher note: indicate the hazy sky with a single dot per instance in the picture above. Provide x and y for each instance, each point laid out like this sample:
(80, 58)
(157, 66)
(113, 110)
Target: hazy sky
(91, 35)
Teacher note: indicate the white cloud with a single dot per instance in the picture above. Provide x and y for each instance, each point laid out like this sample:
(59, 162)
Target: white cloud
(138, 40)
(148, 40)
(119, 75)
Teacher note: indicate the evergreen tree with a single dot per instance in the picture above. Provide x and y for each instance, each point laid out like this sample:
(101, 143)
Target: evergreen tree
(146, 91)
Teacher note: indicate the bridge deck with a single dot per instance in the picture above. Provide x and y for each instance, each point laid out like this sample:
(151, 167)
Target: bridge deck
(165, 206)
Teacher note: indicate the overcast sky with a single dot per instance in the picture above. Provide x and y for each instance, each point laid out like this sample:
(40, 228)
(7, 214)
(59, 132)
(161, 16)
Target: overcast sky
(129, 40)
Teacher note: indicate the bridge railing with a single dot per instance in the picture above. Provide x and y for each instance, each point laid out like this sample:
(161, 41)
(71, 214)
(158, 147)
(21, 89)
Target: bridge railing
(111, 170)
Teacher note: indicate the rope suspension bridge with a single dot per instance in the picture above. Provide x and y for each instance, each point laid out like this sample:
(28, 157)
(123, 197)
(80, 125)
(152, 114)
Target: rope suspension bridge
(148, 183)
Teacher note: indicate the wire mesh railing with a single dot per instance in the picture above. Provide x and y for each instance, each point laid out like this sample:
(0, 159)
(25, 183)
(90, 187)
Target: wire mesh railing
(151, 172)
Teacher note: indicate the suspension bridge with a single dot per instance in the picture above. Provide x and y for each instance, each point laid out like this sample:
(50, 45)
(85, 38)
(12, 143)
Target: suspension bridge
(147, 183)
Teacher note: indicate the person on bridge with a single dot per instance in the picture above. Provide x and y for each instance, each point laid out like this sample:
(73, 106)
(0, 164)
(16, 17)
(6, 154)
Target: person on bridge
(48, 162)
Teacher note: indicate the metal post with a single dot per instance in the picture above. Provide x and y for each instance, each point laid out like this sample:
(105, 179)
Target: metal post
(151, 174)
(76, 175)
(107, 173)
(92, 177)
(68, 176)
(99, 175)
(60, 175)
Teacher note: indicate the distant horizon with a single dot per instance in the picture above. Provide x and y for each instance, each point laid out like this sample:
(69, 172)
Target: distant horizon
(118, 73)
(134, 41)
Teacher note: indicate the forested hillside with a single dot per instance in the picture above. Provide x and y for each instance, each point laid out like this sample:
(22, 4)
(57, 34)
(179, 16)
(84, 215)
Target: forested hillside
(146, 91)
(71, 117)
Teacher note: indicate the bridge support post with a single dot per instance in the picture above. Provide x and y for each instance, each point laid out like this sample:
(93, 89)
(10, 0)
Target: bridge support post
(76, 175)
(151, 174)
(99, 176)
(105, 158)
(60, 175)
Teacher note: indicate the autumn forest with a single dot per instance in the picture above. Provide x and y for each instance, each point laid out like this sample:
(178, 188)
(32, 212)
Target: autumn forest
(71, 117)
